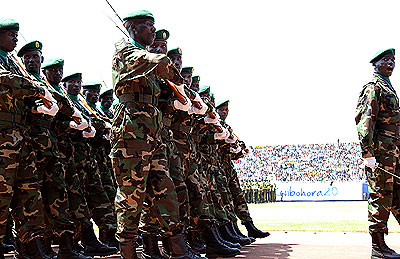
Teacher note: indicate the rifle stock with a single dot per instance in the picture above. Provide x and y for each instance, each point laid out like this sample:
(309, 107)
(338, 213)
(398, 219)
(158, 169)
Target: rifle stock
(180, 97)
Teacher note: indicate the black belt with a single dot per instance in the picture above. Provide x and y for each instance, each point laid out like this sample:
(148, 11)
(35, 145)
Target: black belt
(138, 97)
(181, 128)
(41, 123)
(10, 117)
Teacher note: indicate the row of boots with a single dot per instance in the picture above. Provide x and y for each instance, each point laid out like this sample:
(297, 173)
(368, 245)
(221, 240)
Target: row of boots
(69, 248)
(223, 241)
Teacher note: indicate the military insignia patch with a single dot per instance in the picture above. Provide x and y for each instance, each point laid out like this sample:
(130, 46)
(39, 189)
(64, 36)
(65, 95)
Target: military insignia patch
(179, 51)
(164, 35)
(37, 45)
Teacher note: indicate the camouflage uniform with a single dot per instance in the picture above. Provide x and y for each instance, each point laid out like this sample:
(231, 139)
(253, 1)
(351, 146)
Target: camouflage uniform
(18, 177)
(378, 126)
(101, 208)
(138, 153)
(50, 166)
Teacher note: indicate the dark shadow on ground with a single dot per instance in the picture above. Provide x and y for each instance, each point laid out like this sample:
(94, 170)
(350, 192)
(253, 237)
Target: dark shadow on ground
(271, 250)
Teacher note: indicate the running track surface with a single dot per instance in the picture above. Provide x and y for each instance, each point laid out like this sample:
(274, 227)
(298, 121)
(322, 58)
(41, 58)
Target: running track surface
(311, 245)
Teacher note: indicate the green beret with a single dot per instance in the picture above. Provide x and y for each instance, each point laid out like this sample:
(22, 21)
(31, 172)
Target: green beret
(33, 45)
(72, 76)
(106, 91)
(91, 86)
(53, 62)
(162, 35)
(8, 24)
(222, 103)
(195, 78)
(174, 52)
(187, 70)
(139, 14)
(381, 54)
(204, 89)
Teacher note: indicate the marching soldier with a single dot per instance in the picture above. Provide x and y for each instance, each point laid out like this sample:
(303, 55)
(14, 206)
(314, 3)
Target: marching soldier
(138, 152)
(378, 126)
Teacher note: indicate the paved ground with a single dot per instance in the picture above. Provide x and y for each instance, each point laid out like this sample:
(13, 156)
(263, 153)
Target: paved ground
(312, 245)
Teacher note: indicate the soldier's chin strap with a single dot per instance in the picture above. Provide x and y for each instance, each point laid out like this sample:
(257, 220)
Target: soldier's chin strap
(386, 171)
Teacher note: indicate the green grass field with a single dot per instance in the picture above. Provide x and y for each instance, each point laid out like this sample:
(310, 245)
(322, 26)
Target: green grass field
(348, 216)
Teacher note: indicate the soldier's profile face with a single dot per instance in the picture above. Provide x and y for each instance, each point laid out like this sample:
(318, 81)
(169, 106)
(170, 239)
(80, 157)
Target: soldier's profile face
(73, 86)
(32, 60)
(145, 33)
(177, 61)
(92, 95)
(159, 47)
(187, 78)
(54, 74)
(385, 66)
(106, 100)
(8, 40)
(223, 112)
(195, 86)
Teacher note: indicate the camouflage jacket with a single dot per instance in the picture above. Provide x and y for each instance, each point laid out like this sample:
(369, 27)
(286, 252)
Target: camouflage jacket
(135, 72)
(14, 86)
(377, 114)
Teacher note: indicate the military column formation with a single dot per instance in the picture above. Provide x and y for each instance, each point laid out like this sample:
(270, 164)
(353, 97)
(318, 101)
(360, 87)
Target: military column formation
(155, 165)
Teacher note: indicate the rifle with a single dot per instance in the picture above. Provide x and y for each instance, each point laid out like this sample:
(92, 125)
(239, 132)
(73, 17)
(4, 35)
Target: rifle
(180, 97)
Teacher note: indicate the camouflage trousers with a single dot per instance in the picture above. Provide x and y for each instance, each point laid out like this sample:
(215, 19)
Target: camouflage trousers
(143, 177)
(79, 210)
(223, 189)
(105, 168)
(384, 189)
(19, 186)
(101, 209)
(237, 196)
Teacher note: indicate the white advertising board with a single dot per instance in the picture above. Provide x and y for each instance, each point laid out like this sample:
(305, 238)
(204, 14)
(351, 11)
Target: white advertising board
(306, 191)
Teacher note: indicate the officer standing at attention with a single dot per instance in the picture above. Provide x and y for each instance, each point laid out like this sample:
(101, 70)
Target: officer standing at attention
(378, 127)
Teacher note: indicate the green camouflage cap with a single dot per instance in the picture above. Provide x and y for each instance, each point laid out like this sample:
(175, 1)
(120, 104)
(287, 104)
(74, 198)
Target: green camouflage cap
(8, 24)
(174, 52)
(381, 54)
(204, 89)
(91, 86)
(106, 91)
(53, 62)
(72, 76)
(196, 79)
(162, 35)
(222, 103)
(139, 14)
(33, 45)
(187, 70)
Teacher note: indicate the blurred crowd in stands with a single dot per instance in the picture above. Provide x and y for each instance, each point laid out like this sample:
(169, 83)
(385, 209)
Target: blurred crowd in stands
(338, 162)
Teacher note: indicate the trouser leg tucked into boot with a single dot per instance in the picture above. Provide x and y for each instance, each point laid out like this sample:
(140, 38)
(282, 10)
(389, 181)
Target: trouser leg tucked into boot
(66, 248)
(231, 229)
(225, 242)
(195, 242)
(176, 247)
(238, 232)
(92, 246)
(252, 231)
(150, 248)
(128, 250)
(107, 237)
(379, 247)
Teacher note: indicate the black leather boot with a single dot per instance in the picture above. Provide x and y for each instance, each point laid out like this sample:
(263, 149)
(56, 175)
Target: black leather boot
(128, 250)
(92, 246)
(225, 242)
(8, 243)
(150, 248)
(215, 248)
(1, 253)
(34, 249)
(195, 242)
(252, 231)
(379, 247)
(176, 247)
(228, 235)
(108, 237)
(232, 230)
(239, 233)
(47, 248)
(66, 248)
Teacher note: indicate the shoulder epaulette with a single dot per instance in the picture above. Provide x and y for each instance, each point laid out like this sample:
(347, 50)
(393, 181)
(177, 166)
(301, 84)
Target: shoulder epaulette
(120, 45)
